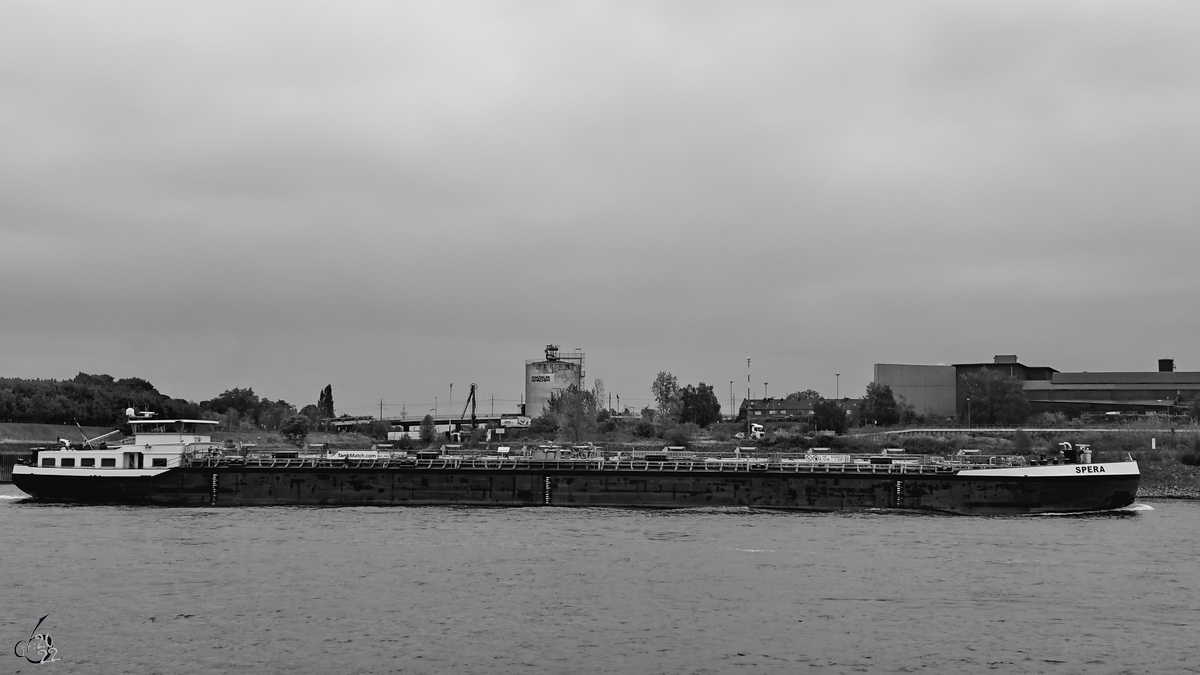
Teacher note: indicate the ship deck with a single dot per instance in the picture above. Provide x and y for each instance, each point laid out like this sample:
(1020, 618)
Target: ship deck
(909, 466)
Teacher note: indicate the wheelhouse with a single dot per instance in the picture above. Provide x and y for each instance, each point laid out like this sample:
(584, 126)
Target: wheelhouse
(160, 432)
(154, 444)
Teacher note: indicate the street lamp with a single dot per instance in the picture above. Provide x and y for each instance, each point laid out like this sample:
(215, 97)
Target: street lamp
(747, 398)
(731, 397)
(968, 412)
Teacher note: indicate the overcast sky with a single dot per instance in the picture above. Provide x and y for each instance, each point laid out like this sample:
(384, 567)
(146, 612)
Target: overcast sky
(391, 197)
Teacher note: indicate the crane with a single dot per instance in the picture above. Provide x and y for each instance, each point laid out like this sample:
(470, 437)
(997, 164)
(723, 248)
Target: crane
(471, 404)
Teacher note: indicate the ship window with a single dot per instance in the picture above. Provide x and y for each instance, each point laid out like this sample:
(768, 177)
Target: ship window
(68, 461)
(87, 461)
(158, 461)
(108, 461)
(47, 461)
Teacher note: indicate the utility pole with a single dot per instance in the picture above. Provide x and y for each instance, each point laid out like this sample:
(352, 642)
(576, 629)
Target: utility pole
(380, 410)
(765, 391)
(731, 397)
(747, 379)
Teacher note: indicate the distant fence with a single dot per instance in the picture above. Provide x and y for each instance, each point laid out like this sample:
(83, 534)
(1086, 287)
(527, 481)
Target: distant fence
(1000, 431)
(6, 466)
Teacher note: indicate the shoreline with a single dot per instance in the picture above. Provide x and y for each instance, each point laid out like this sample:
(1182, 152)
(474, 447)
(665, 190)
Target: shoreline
(1168, 492)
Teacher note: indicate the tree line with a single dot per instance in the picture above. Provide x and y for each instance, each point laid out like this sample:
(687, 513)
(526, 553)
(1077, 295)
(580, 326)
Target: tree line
(576, 414)
(92, 400)
(101, 400)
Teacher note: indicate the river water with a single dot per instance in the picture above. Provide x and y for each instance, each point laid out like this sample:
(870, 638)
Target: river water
(552, 590)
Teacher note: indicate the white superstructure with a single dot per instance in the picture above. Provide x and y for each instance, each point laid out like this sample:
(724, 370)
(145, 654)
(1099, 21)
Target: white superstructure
(155, 446)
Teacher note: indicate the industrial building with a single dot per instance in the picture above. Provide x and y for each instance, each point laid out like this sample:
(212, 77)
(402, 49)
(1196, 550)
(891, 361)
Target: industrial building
(934, 390)
(930, 390)
(553, 374)
(1164, 391)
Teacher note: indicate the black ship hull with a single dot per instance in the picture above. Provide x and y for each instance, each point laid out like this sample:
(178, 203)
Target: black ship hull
(585, 484)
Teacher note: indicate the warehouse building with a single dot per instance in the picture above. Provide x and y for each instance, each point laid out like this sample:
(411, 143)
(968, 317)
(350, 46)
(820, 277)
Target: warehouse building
(1164, 391)
(930, 390)
(936, 391)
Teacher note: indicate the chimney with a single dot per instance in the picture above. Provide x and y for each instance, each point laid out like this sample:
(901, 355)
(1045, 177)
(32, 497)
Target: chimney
(1166, 365)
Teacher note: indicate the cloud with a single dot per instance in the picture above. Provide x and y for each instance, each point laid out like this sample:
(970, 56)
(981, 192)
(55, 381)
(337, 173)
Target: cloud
(390, 198)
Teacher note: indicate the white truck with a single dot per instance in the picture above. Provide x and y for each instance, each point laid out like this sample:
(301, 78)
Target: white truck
(756, 431)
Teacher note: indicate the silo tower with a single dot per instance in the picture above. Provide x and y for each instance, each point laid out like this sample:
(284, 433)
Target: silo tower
(557, 372)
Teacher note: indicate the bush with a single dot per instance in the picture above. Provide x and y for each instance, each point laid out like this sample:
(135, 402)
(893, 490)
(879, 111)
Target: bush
(375, 429)
(1049, 420)
(785, 437)
(427, 429)
(723, 431)
(1022, 443)
(681, 434)
(926, 445)
(295, 429)
(545, 425)
(1191, 458)
(643, 428)
(478, 436)
(854, 444)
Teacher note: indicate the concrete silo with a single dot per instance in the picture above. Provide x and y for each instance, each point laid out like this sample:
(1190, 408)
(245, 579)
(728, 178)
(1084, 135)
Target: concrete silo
(555, 373)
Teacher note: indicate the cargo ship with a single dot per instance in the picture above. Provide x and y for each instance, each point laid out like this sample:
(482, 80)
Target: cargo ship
(174, 462)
